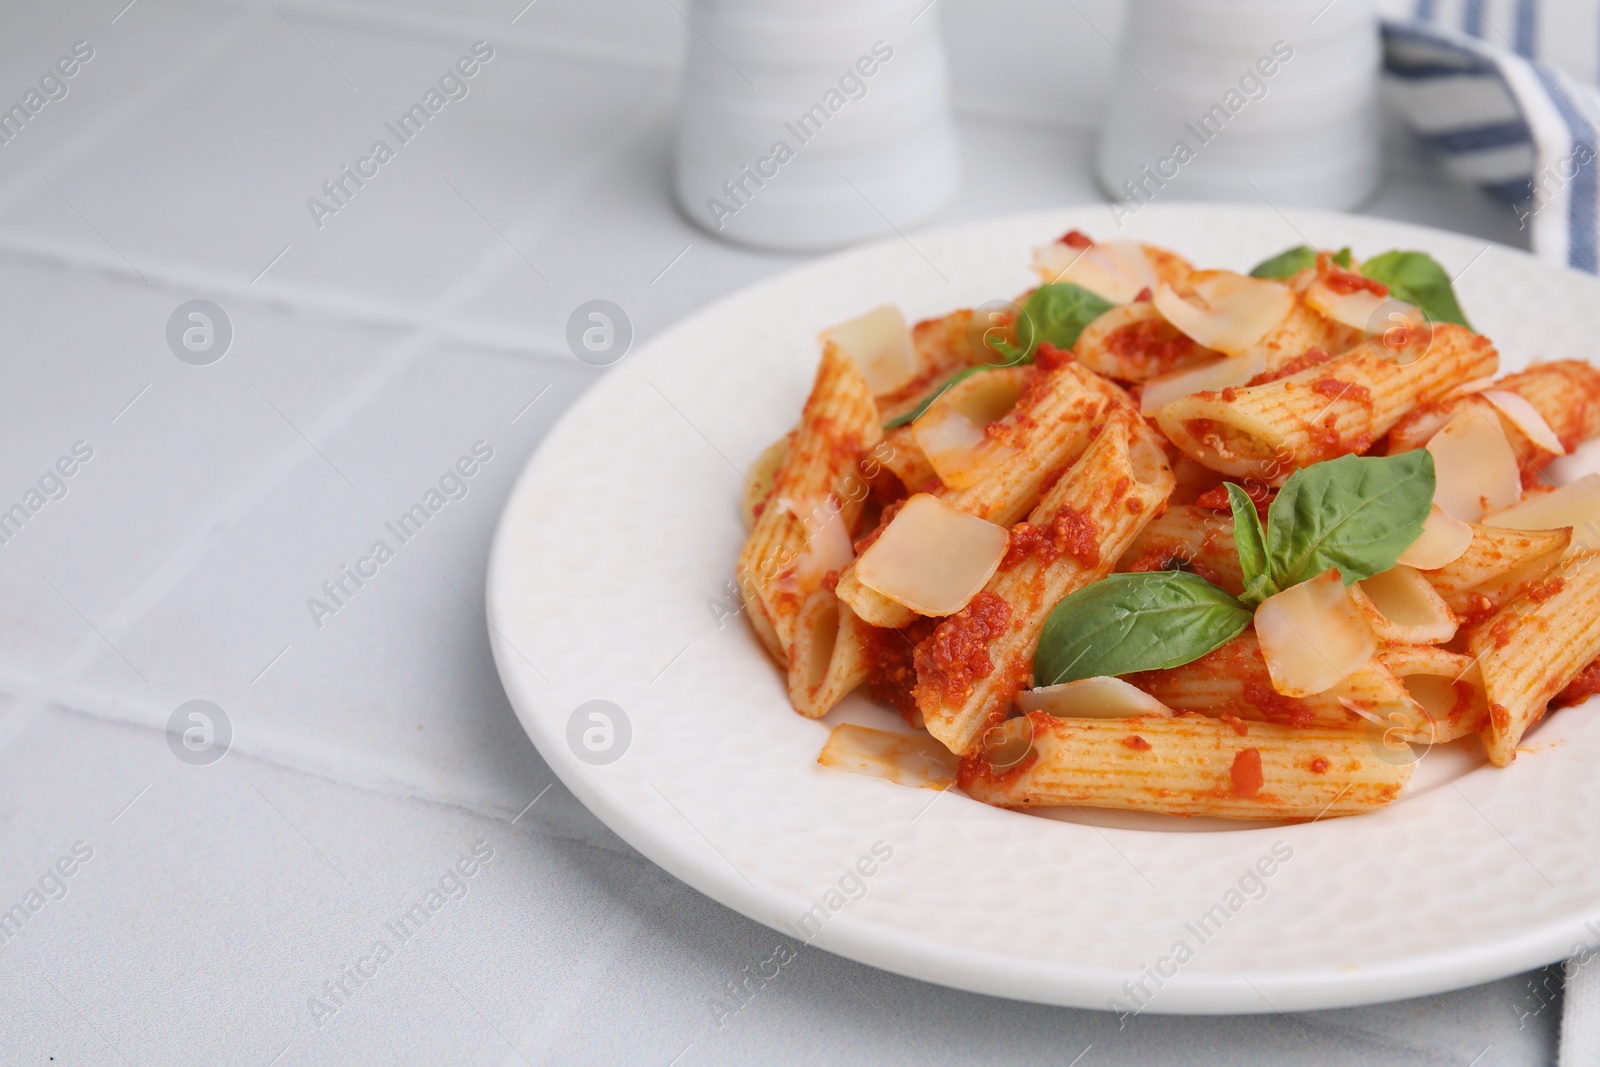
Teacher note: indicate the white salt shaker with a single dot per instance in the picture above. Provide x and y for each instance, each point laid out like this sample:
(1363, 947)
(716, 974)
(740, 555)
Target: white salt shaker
(811, 124)
(1244, 100)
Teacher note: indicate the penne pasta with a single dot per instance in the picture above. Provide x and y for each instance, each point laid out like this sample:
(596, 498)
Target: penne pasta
(1233, 680)
(1334, 408)
(1303, 330)
(1188, 765)
(826, 659)
(1533, 647)
(1133, 343)
(1046, 431)
(903, 458)
(760, 478)
(1496, 563)
(1194, 480)
(939, 348)
(1565, 394)
(1194, 539)
(1276, 664)
(1402, 608)
(1447, 688)
(975, 662)
(794, 547)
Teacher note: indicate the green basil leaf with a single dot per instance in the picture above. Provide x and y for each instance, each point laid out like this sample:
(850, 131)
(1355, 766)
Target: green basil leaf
(1145, 621)
(1056, 313)
(1356, 513)
(1342, 257)
(1285, 263)
(1251, 540)
(916, 413)
(1417, 278)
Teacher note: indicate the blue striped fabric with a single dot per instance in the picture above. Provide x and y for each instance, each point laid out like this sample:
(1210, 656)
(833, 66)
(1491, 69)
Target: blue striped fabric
(1525, 125)
(1468, 78)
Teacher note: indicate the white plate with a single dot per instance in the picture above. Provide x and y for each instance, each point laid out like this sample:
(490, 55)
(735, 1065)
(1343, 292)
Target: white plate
(611, 567)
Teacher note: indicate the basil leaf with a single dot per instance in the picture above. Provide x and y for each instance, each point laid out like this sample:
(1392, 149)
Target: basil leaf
(1285, 263)
(1251, 540)
(1417, 278)
(1056, 313)
(1342, 257)
(1356, 513)
(1145, 621)
(916, 413)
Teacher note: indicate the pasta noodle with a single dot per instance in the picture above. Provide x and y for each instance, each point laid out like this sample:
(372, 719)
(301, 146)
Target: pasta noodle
(1048, 428)
(1190, 765)
(1447, 688)
(819, 480)
(1233, 680)
(1331, 409)
(1496, 563)
(1188, 538)
(974, 664)
(1565, 394)
(826, 660)
(1274, 669)
(1530, 649)
(939, 347)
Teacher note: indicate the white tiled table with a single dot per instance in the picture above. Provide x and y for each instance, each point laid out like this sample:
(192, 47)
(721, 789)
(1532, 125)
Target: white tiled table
(371, 753)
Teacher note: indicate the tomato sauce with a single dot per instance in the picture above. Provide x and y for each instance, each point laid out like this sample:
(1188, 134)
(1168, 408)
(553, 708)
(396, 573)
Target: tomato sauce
(1047, 357)
(956, 654)
(1581, 688)
(1074, 534)
(1246, 773)
(1344, 281)
(1335, 388)
(1311, 358)
(891, 668)
(1151, 346)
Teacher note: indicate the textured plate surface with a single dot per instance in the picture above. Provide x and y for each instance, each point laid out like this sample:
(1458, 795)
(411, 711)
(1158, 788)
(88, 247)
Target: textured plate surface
(610, 581)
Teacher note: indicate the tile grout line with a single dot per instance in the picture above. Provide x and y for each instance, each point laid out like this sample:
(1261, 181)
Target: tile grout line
(301, 303)
(113, 120)
(435, 28)
(370, 777)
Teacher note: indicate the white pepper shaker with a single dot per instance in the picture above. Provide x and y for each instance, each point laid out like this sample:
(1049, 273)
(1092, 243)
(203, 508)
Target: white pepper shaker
(1244, 100)
(816, 124)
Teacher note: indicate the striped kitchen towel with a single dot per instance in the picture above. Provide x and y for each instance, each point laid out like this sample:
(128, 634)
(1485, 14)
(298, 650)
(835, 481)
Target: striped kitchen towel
(1502, 92)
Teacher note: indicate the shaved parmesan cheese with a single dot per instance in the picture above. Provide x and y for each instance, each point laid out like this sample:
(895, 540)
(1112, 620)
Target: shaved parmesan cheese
(1092, 698)
(1117, 271)
(1525, 417)
(1443, 540)
(1313, 636)
(1218, 374)
(1363, 309)
(1576, 505)
(879, 343)
(1400, 605)
(907, 759)
(950, 433)
(828, 546)
(1474, 468)
(1232, 311)
(932, 558)
(1477, 385)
